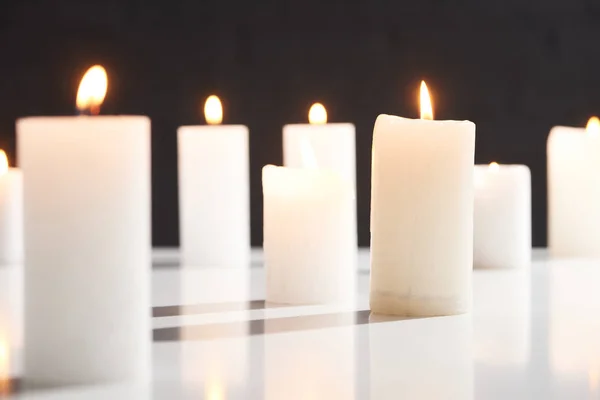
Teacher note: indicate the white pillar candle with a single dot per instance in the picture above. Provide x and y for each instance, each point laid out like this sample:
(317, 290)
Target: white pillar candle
(11, 323)
(573, 191)
(310, 257)
(333, 146)
(214, 193)
(502, 216)
(422, 216)
(11, 213)
(87, 246)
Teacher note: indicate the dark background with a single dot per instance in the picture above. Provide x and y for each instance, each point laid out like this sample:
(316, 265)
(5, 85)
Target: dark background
(514, 67)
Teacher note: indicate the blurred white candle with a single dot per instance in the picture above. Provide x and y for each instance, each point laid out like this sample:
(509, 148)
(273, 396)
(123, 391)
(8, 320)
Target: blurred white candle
(214, 193)
(11, 213)
(87, 244)
(502, 216)
(574, 191)
(333, 145)
(310, 255)
(422, 215)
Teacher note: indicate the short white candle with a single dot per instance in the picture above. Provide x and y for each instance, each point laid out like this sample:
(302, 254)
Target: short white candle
(574, 191)
(11, 213)
(214, 193)
(333, 146)
(309, 253)
(502, 219)
(87, 244)
(422, 215)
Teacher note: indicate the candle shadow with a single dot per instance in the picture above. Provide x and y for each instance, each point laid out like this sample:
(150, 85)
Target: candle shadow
(210, 308)
(276, 325)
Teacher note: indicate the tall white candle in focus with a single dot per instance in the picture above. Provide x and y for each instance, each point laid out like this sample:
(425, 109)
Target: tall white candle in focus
(333, 144)
(502, 216)
(87, 245)
(214, 192)
(11, 213)
(574, 191)
(310, 256)
(422, 215)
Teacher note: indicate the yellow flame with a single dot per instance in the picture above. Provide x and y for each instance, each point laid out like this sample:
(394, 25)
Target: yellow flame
(92, 90)
(317, 114)
(213, 110)
(426, 106)
(593, 126)
(494, 166)
(3, 163)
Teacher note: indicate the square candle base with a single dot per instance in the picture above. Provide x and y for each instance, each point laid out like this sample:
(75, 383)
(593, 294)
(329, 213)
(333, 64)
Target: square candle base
(412, 306)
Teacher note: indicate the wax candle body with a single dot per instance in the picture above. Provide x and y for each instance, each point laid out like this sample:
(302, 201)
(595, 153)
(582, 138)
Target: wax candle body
(422, 216)
(214, 198)
(310, 253)
(502, 216)
(87, 241)
(573, 193)
(333, 146)
(11, 217)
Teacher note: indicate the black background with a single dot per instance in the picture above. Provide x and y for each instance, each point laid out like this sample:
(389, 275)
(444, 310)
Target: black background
(514, 67)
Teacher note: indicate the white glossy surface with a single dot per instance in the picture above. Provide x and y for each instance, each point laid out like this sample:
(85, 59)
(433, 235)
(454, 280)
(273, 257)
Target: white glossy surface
(532, 335)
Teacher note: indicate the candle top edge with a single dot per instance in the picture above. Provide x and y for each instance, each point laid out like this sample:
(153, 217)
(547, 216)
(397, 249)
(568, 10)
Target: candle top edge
(504, 165)
(209, 126)
(398, 119)
(55, 117)
(567, 129)
(322, 126)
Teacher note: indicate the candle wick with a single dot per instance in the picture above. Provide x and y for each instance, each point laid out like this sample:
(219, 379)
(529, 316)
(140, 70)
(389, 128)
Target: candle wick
(91, 110)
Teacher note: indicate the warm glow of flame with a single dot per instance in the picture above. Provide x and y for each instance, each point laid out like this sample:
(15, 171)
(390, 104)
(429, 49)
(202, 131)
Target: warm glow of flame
(317, 114)
(92, 90)
(494, 166)
(307, 154)
(593, 126)
(5, 384)
(593, 379)
(215, 391)
(426, 106)
(213, 110)
(3, 163)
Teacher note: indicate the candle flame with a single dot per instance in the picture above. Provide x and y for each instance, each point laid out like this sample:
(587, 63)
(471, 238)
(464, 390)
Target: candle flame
(317, 114)
(213, 110)
(426, 107)
(494, 166)
(593, 126)
(92, 90)
(3, 163)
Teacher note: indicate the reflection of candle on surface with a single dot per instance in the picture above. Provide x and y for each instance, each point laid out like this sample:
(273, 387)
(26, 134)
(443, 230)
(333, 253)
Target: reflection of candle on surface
(423, 352)
(309, 241)
(320, 365)
(502, 216)
(421, 215)
(87, 240)
(11, 213)
(573, 195)
(214, 194)
(333, 146)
